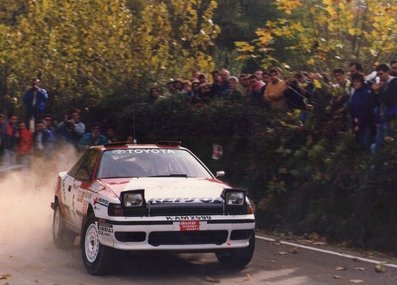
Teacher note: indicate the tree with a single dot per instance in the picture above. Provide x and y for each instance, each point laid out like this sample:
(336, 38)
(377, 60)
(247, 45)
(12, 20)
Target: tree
(85, 50)
(322, 34)
(238, 21)
(194, 33)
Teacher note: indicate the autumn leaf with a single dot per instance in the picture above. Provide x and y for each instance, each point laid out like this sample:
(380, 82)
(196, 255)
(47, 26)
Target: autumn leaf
(380, 268)
(244, 46)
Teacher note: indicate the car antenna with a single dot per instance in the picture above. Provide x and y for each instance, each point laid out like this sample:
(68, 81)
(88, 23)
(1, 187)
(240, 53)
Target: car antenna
(133, 125)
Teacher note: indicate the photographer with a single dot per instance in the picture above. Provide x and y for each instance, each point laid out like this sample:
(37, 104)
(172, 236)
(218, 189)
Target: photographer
(35, 103)
(71, 128)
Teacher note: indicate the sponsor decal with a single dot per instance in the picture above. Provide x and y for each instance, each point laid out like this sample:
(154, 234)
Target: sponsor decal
(189, 226)
(139, 151)
(96, 187)
(188, 218)
(80, 196)
(105, 229)
(76, 184)
(101, 201)
(85, 207)
(184, 200)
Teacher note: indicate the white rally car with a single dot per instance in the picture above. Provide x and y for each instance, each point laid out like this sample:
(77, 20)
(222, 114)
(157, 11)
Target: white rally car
(158, 197)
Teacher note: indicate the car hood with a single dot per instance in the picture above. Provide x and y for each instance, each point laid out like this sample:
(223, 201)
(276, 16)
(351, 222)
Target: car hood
(169, 187)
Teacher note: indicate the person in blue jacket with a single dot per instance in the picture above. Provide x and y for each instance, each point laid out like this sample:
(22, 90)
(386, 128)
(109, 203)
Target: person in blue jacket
(360, 107)
(35, 100)
(93, 138)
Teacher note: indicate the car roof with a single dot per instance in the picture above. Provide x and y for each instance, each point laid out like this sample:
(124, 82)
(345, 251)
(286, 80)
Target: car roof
(158, 145)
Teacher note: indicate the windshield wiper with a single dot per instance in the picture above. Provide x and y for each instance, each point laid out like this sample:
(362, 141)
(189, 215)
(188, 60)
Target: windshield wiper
(171, 175)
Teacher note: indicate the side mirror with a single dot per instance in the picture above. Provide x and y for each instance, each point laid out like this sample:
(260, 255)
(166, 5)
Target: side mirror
(220, 174)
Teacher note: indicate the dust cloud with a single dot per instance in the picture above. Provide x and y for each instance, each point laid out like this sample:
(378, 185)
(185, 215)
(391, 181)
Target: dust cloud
(26, 196)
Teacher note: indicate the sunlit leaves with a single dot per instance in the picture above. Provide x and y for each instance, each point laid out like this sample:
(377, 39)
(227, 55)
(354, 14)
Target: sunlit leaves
(86, 49)
(244, 47)
(288, 6)
(327, 33)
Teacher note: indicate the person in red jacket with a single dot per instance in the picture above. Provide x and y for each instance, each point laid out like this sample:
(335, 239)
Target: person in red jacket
(25, 144)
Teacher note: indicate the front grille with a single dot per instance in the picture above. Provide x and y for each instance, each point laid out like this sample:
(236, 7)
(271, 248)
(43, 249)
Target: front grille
(187, 237)
(130, 236)
(178, 209)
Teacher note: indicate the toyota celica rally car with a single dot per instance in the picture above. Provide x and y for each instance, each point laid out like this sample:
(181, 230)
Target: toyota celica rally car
(158, 197)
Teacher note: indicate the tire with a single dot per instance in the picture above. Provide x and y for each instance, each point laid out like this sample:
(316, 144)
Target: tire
(96, 257)
(239, 257)
(61, 235)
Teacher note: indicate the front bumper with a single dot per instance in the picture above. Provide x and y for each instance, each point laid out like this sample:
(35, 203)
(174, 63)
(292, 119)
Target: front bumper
(183, 233)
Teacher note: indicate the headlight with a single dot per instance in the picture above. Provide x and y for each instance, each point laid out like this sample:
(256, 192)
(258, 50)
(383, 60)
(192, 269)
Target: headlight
(133, 198)
(234, 197)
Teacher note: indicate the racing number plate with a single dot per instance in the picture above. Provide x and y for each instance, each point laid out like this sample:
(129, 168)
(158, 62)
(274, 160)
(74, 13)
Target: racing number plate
(193, 225)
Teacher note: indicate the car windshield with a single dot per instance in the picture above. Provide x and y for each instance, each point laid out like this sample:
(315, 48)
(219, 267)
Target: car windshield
(150, 162)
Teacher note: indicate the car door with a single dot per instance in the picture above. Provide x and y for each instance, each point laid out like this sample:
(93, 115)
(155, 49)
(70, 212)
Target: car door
(66, 192)
(68, 183)
(80, 187)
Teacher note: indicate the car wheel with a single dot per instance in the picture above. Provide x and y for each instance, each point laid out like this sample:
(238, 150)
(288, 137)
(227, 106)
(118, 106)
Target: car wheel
(96, 257)
(61, 235)
(239, 257)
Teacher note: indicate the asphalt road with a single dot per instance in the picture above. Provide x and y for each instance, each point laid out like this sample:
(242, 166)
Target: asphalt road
(38, 262)
(27, 255)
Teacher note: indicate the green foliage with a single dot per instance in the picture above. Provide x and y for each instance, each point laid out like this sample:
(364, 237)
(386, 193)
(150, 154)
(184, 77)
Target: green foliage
(322, 34)
(238, 21)
(86, 50)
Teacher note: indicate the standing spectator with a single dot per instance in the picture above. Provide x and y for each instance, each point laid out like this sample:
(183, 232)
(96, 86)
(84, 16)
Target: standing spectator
(25, 144)
(360, 108)
(49, 125)
(110, 135)
(393, 67)
(178, 85)
(259, 75)
(154, 95)
(342, 83)
(188, 91)
(202, 79)
(44, 140)
(256, 91)
(233, 93)
(3, 127)
(216, 84)
(245, 84)
(295, 94)
(355, 67)
(195, 75)
(171, 91)
(35, 102)
(71, 128)
(93, 138)
(224, 84)
(274, 92)
(10, 140)
(195, 93)
(387, 110)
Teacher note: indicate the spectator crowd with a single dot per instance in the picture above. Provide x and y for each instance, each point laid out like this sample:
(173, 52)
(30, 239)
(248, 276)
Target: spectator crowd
(370, 100)
(39, 135)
